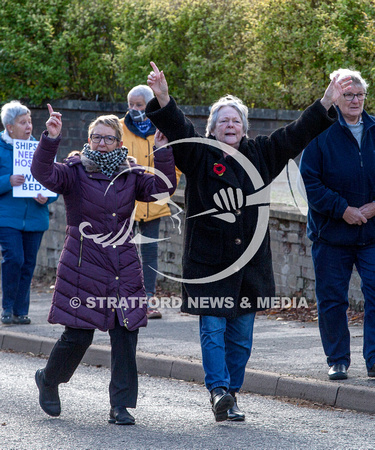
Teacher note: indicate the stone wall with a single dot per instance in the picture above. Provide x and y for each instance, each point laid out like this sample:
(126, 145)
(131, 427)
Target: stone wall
(291, 256)
(291, 249)
(77, 116)
(291, 252)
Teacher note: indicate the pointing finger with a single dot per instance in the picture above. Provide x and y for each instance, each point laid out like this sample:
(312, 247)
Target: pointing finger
(155, 67)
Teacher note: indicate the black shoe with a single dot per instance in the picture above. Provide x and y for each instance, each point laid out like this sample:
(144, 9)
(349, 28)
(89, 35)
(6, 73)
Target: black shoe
(119, 415)
(221, 401)
(21, 320)
(371, 372)
(338, 372)
(6, 318)
(234, 413)
(49, 399)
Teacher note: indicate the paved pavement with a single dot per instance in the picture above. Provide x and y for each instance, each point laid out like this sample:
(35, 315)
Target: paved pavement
(287, 358)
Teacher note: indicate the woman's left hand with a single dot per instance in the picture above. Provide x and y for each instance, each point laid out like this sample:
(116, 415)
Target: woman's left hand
(54, 123)
(334, 90)
(159, 139)
(40, 199)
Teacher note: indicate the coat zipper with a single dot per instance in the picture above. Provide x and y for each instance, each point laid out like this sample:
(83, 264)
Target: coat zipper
(80, 251)
(124, 319)
(360, 157)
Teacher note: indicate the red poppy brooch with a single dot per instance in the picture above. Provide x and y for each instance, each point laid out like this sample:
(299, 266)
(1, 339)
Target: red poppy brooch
(219, 169)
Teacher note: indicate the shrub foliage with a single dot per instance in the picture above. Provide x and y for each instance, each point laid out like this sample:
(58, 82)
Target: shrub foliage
(270, 53)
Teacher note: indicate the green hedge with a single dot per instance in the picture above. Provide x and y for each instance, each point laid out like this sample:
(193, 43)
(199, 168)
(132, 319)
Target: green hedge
(271, 53)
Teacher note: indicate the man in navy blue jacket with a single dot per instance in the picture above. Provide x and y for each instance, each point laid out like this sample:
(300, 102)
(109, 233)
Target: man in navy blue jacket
(338, 170)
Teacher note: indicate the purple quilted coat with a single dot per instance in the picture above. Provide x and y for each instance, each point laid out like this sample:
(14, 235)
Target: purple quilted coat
(99, 278)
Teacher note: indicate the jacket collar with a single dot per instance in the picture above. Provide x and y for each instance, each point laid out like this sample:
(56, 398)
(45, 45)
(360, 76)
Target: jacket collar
(4, 136)
(368, 121)
(90, 167)
(228, 176)
(131, 127)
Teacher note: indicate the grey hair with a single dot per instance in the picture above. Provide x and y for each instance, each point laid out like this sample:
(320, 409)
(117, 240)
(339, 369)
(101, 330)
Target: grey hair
(227, 100)
(10, 111)
(355, 74)
(109, 121)
(142, 90)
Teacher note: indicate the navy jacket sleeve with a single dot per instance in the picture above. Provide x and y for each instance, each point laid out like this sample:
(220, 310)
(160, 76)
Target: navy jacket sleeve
(320, 198)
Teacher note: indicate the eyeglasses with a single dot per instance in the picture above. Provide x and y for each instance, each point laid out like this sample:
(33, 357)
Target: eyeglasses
(109, 140)
(350, 97)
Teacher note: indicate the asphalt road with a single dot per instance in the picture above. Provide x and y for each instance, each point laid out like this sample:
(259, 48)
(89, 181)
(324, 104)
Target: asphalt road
(170, 415)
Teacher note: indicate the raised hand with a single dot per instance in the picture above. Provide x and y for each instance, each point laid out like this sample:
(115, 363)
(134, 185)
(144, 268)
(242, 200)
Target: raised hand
(335, 89)
(54, 123)
(157, 82)
(159, 139)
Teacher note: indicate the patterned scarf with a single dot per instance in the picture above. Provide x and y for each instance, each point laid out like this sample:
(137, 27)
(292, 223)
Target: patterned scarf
(144, 126)
(109, 162)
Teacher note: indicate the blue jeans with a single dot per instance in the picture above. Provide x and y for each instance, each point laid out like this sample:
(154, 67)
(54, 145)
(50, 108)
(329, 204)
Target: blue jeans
(333, 268)
(19, 250)
(226, 348)
(149, 253)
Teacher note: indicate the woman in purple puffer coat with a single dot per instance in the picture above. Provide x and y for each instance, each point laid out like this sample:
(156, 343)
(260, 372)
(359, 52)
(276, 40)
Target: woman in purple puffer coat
(99, 277)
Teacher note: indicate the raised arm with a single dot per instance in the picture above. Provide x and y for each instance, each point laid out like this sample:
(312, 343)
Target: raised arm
(287, 142)
(54, 123)
(54, 176)
(157, 82)
(334, 90)
(172, 122)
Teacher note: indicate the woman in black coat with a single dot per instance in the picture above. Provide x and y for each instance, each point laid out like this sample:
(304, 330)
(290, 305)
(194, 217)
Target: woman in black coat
(227, 264)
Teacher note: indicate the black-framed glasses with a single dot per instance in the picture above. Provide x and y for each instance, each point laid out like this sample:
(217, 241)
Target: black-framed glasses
(350, 97)
(109, 140)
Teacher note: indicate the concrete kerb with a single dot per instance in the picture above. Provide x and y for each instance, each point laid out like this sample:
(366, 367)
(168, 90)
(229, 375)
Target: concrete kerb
(356, 398)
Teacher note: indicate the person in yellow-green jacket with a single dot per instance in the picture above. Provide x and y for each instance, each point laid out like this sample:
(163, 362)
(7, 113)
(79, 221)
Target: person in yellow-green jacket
(138, 137)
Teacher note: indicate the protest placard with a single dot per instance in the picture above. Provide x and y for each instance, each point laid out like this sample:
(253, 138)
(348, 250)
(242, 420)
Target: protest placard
(23, 152)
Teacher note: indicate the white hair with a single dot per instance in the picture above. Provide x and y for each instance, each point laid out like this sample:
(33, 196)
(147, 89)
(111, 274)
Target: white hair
(355, 74)
(227, 100)
(10, 111)
(143, 90)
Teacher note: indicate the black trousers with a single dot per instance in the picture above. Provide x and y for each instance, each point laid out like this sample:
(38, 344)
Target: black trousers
(71, 347)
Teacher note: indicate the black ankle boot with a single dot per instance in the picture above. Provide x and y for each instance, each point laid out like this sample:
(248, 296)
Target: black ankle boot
(49, 399)
(221, 401)
(234, 413)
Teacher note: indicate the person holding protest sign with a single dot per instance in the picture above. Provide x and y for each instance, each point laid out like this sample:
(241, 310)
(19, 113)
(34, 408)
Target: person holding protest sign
(22, 220)
(99, 282)
(226, 222)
